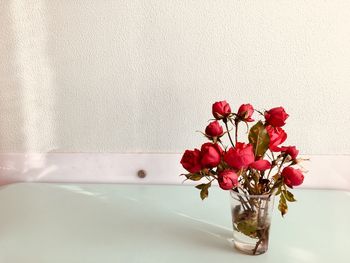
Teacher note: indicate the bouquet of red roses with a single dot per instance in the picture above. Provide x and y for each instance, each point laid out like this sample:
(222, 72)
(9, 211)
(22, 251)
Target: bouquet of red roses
(259, 167)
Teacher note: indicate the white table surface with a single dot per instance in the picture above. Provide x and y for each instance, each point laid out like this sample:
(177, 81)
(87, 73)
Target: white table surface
(137, 223)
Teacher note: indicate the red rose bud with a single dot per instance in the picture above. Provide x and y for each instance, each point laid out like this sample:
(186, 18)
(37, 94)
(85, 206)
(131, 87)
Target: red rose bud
(211, 155)
(290, 150)
(241, 156)
(277, 136)
(221, 110)
(276, 117)
(227, 179)
(245, 112)
(191, 160)
(214, 129)
(292, 177)
(261, 165)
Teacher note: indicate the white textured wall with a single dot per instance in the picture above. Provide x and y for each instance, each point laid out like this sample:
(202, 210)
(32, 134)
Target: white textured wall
(131, 75)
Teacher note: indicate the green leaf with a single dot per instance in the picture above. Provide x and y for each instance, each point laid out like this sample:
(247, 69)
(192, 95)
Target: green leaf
(204, 193)
(276, 177)
(200, 186)
(282, 206)
(247, 227)
(279, 190)
(204, 190)
(194, 177)
(289, 196)
(259, 138)
(256, 177)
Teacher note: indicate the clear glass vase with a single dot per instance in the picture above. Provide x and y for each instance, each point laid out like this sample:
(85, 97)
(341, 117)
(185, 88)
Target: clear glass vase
(251, 219)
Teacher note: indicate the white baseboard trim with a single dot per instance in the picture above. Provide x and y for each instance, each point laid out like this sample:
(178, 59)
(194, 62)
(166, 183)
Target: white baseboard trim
(325, 171)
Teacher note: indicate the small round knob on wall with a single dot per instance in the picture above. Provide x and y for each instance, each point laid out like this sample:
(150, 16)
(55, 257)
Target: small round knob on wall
(141, 173)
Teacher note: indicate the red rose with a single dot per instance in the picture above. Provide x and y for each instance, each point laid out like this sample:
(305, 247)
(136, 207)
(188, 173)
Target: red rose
(277, 136)
(260, 165)
(292, 177)
(227, 179)
(245, 112)
(290, 150)
(214, 129)
(221, 110)
(191, 160)
(276, 117)
(241, 156)
(211, 155)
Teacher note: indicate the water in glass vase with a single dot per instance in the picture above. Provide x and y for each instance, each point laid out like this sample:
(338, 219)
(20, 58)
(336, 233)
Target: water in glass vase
(251, 218)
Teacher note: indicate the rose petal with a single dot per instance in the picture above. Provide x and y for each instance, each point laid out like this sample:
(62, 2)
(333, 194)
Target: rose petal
(260, 165)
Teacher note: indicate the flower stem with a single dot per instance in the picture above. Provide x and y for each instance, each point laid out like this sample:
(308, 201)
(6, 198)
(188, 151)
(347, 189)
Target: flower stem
(250, 206)
(236, 131)
(243, 202)
(264, 235)
(228, 133)
(280, 167)
(262, 238)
